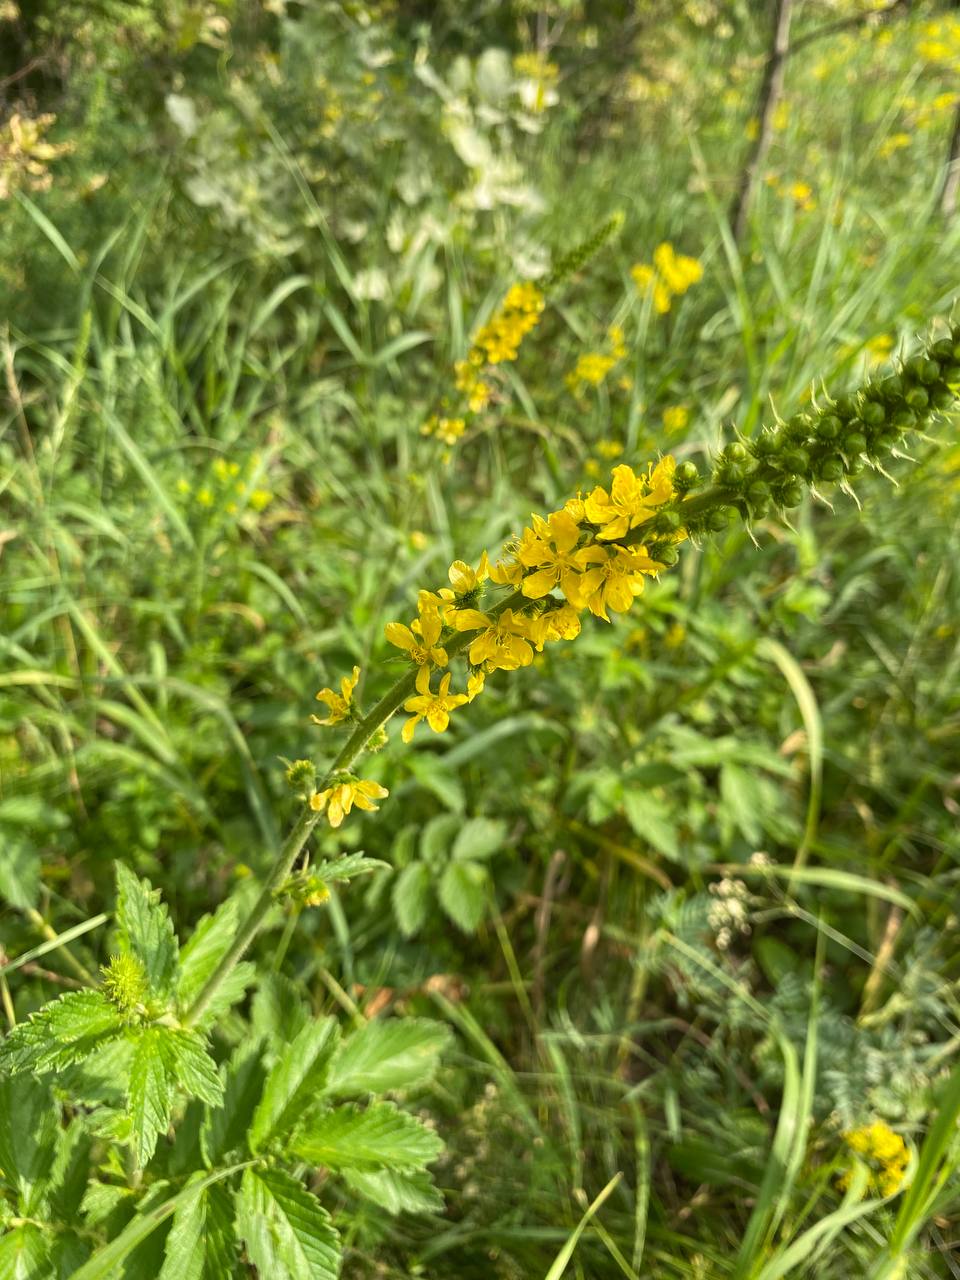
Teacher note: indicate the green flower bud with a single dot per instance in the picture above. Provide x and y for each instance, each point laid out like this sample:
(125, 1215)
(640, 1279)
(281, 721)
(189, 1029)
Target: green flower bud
(942, 350)
(854, 443)
(886, 441)
(719, 518)
(757, 491)
(665, 522)
(729, 475)
(664, 553)
(796, 461)
(872, 413)
(686, 477)
(924, 370)
(917, 398)
(831, 468)
(790, 495)
(855, 465)
(799, 426)
(951, 373)
(943, 398)
(845, 407)
(736, 452)
(830, 426)
(904, 420)
(766, 444)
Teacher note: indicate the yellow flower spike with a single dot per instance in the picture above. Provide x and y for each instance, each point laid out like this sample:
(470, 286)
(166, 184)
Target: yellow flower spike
(420, 648)
(337, 801)
(502, 645)
(340, 704)
(435, 708)
(632, 499)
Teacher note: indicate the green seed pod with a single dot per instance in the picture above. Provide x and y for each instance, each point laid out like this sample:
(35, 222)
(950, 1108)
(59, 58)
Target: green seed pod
(795, 461)
(729, 475)
(927, 370)
(943, 398)
(917, 398)
(951, 373)
(892, 388)
(831, 468)
(757, 491)
(664, 553)
(854, 443)
(799, 427)
(855, 465)
(845, 408)
(873, 414)
(665, 522)
(886, 441)
(759, 506)
(942, 350)
(830, 426)
(735, 452)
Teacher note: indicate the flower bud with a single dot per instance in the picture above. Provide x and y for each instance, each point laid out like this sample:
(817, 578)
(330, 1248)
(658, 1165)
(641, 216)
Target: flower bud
(796, 461)
(766, 444)
(686, 477)
(904, 420)
(854, 443)
(830, 426)
(736, 452)
(719, 518)
(830, 468)
(845, 407)
(790, 494)
(917, 398)
(872, 413)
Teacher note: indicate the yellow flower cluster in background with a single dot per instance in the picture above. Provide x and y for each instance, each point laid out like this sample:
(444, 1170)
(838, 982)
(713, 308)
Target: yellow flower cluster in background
(668, 277)
(940, 41)
(675, 418)
(25, 154)
(885, 1151)
(585, 557)
(592, 368)
(449, 430)
(801, 193)
(228, 487)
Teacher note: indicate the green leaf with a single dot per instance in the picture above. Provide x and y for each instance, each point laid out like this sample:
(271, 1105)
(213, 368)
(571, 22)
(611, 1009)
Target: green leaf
(386, 1055)
(233, 988)
(208, 944)
(479, 838)
(71, 1170)
(294, 1081)
(28, 1136)
(380, 1136)
(24, 1253)
(652, 820)
(150, 1092)
(225, 1128)
(347, 867)
(436, 839)
(411, 897)
(463, 893)
(19, 870)
(396, 1190)
(740, 796)
(64, 1031)
(192, 1067)
(184, 1253)
(146, 931)
(220, 1236)
(278, 1012)
(286, 1230)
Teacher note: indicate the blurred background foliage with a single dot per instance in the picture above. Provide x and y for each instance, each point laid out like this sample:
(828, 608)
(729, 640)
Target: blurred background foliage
(244, 243)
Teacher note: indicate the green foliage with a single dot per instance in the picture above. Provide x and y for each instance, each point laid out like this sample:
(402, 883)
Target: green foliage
(621, 877)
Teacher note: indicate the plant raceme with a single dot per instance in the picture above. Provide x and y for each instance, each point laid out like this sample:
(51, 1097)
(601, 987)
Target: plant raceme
(175, 1162)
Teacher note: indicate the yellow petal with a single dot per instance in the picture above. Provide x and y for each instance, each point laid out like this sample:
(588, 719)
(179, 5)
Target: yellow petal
(400, 635)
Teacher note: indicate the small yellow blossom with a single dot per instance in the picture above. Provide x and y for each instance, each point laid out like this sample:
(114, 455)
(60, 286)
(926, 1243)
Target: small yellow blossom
(468, 381)
(499, 339)
(670, 276)
(896, 142)
(609, 449)
(340, 704)
(419, 640)
(260, 499)
(675, 418)
(885, 1151)
(616, 582)
(549, 548)
(632, 499)
(435, 708)
(503, 643)
(465, 580)
(448, 430)
(205, 497)
(337, 801)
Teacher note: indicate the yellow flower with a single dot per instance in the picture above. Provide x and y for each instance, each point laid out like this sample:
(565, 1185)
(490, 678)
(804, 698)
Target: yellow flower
(609, 448)
(676, 417)
(419, 640)
(468, 381)
(338, 800)
(880, 1145)
(435, 708)
(465, 580)
(549, 548)
(879, 348)
(502, 644)
(678, 272)
(475, 682)
(449, 430)
(591, 368)
(340, 704)
(499, 339)
(555, 624)
(260, 498)
(506, 573)
(615, 583)
(632, 499)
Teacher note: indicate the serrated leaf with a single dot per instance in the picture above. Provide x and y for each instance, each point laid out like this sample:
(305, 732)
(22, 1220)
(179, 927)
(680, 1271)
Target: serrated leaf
(64, 1031)
(287, 1232)
(380, 1136)
(277, 1013)
(411, 897)
(70, 1171)
(28, 1132)
(437, 837)
(389, 1054)
(463, 893)
(23, 1253)
(192, 1067)
(19, 870)
(294, 1082)
(150, 1092)
(395, 1190)
(479, 838)
(67, 1254)
(346, 867)
(219, 1235)
(225, 1128)
(146, 930)
(184, 1252)
(233, 988)
(209, 943)
(652, 820)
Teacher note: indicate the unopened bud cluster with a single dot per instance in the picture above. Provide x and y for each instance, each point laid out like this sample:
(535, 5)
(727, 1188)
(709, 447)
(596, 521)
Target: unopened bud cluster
(828, 444)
